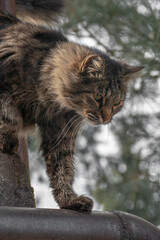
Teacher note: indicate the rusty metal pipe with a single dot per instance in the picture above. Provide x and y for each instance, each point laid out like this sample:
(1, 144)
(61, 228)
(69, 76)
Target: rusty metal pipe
(40, 224)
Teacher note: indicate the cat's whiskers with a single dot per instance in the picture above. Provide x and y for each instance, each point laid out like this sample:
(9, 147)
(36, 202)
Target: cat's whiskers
(66, 129)
(85, 124)
(74, 133)
(78, 130)
(66, 126)
(64, 133)
(112, 123)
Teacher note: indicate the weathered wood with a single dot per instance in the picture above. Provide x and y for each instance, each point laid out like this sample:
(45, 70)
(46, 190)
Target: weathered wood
(15, 189)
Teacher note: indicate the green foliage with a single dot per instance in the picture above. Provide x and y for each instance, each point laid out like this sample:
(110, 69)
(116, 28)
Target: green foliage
(129, 180)
(131, 183)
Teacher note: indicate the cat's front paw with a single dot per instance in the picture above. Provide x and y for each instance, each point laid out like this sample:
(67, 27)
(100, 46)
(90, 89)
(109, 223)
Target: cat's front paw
(80, 204)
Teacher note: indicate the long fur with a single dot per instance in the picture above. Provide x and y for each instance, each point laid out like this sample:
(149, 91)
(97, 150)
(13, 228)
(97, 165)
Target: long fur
(48, 81)
(41, 12)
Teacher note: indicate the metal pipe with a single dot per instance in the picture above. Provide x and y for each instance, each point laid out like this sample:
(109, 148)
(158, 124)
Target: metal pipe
(40, 224)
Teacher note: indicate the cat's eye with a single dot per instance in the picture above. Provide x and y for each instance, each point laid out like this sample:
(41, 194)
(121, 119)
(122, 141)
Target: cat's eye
(97, 96)
(116, 104)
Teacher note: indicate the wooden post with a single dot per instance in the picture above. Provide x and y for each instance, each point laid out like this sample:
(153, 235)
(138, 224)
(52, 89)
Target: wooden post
(15, 189)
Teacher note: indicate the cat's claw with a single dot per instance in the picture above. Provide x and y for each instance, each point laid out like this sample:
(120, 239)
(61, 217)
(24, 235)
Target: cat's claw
(80, 204)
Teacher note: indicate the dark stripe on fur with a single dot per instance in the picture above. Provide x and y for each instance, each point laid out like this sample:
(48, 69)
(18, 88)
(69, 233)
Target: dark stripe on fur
(40, 11)
(6, 19)
(36, 5)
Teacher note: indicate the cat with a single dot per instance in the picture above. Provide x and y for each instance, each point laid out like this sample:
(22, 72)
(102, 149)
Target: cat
(57, 85)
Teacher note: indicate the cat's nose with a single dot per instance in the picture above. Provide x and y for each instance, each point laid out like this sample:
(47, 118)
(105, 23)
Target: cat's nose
(106, 116)
(107, 119)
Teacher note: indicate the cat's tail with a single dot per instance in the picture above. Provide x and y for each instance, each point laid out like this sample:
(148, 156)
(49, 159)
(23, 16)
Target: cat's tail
(39, 12)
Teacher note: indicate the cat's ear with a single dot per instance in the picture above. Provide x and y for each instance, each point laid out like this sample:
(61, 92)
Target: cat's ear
(94, 65)
(131, 72)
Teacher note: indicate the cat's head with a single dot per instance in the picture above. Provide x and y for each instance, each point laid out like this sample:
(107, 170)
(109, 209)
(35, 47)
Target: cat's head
(99, 90)
(95, 86)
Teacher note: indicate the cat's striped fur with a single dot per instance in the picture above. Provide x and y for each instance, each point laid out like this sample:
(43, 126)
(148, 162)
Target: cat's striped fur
(49, 81)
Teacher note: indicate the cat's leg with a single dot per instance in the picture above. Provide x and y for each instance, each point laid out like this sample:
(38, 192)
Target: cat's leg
(10, 123)
(58, 153)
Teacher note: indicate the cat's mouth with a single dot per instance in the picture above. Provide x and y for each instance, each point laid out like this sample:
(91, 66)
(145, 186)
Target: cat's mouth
(95, 119)
(107, 121)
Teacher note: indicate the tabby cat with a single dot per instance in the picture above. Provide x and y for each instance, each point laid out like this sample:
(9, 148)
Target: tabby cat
(48, 81)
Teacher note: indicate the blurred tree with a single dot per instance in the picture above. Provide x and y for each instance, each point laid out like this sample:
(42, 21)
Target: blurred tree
(128, 180)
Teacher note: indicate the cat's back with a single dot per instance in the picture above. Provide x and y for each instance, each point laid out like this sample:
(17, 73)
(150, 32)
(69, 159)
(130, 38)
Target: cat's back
(17, 34)
(23, 48)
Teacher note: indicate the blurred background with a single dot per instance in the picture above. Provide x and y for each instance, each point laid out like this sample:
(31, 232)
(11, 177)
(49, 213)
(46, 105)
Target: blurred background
(117, 165)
